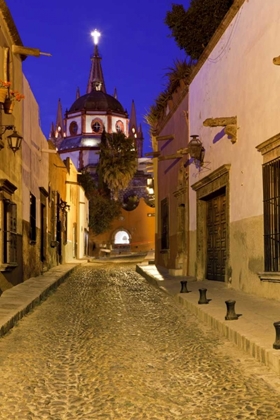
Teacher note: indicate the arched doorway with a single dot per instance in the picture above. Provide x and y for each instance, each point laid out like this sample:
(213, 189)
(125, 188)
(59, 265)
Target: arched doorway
(121, 237)
(121, 241)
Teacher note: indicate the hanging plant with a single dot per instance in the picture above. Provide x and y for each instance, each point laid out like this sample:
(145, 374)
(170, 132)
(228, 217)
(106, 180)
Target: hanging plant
(4, 90)
(13, 96)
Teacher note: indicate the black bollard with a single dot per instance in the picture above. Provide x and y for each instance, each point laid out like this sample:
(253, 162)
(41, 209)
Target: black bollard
(202, 297)
(276, 345)
(231, 315)
(184, 288)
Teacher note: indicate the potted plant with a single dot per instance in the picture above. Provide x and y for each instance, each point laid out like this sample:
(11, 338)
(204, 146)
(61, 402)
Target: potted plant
(9, 103)
(4, 86)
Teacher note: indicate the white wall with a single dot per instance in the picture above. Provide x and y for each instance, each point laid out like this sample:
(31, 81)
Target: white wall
(239, 79)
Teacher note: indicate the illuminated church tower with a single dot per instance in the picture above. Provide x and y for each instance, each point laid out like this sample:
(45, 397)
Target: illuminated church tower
(78, 134)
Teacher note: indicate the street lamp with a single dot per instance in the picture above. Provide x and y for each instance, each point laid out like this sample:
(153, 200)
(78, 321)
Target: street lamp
(14, 139)
(196, 149)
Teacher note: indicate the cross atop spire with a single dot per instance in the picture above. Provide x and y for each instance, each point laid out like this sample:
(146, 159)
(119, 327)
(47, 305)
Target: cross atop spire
(96, 35)
(96, 78)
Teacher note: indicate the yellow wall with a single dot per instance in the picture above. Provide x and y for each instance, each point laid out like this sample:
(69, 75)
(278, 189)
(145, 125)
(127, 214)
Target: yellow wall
(140, 227)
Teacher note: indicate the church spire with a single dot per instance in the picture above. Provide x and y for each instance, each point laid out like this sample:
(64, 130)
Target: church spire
(132, 122)
(52, 132)
(59, 126)
(135, 132)
(96, 78)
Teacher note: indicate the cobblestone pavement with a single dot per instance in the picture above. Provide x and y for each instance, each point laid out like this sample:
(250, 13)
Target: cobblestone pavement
(108, 345)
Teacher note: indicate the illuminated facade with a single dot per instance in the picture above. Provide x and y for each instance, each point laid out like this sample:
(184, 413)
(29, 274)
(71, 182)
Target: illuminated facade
(232, 210)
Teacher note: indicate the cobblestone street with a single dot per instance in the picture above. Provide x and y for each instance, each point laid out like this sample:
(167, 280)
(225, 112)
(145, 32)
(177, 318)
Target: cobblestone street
(108, 345)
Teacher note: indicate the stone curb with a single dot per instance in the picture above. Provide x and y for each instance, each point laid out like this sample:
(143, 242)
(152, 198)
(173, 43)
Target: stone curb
(16, 302)
(227, 329)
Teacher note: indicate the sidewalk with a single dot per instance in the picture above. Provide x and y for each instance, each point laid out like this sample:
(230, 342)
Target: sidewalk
(21, 299)
(253, 332)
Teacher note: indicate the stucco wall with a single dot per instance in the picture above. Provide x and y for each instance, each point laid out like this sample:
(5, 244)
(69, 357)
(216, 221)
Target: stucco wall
(77, 216)
(170, 179)
(35, 168)
(239, 79)
(137, 223)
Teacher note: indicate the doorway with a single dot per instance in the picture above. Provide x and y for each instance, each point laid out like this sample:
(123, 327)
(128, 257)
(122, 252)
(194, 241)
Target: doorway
(212, 217)
(216, 236)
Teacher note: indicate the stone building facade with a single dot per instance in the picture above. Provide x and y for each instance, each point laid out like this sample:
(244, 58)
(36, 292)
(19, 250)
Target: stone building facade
(11, 243)
(233, 197)
(34, 213)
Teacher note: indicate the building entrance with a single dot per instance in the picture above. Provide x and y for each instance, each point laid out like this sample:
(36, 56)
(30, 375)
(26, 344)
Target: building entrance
(216, 236)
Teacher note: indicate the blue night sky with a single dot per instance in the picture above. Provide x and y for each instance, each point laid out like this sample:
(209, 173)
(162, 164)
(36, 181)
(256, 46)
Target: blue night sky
(135, 46)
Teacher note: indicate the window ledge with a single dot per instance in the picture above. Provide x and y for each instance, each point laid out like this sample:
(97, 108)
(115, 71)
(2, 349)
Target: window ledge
(164, 251)
(8, 266)
(270, 276)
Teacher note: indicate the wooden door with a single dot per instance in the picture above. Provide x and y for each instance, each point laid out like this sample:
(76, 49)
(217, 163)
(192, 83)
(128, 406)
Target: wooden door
(216, 237)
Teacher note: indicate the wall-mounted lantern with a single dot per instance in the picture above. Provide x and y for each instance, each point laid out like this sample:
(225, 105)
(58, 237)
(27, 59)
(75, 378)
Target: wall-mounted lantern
(63, 205)
(196, 149)
(14, 139)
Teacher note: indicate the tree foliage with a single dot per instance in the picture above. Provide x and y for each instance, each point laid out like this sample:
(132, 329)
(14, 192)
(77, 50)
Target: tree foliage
(117, 163)
(116, 167)
(193, 28)
(102, 210)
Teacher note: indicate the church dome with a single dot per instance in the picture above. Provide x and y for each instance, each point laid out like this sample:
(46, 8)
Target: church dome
(97, 100)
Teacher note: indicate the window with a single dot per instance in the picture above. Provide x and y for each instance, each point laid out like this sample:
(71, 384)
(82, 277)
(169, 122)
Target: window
(73, 128)
(8, 227)
(32, 221)
(97, 126)
(164, 224)
(64, 226)
(43, 222)
(10, 232)
(119, 126)
(271, 195)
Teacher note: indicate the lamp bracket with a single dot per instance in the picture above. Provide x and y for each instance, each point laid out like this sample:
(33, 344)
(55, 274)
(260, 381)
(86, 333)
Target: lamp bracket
(4, 128)
(230, 124)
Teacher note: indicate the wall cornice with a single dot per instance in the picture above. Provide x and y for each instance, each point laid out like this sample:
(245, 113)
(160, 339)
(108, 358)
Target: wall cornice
(218, 173)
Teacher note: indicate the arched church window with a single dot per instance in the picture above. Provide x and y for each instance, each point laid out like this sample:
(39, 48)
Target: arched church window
(97, 126)
(73, 128)
(119, 126)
